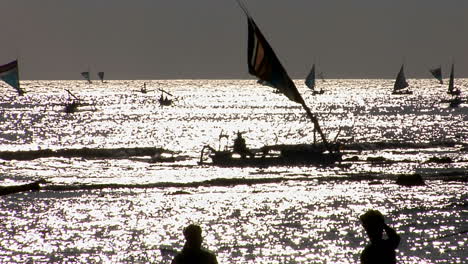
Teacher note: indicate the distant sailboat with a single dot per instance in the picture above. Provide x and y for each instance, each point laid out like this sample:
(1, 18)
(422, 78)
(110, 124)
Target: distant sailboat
(86, 76)
(437, 73)
(401, 83)
(101, 76)
(164, 100)
(451, 87)
(310, 81)
(9, 73)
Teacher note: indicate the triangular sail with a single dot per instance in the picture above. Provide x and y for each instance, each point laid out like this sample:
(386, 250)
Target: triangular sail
(451, 86)
(86, 76)
(310, 80)
(9, 73)
(263, 63)
(437, 73)
(400, 82)
(101, 76)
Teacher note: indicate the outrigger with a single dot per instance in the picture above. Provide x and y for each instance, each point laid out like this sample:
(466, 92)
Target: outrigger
(264, 64)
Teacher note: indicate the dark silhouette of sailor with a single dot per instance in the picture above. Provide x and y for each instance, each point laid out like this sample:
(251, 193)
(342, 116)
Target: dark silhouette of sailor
(240, 147)
(193, 253)
(379, 251)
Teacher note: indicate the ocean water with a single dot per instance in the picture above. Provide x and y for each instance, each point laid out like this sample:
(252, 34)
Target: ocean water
(133, 211)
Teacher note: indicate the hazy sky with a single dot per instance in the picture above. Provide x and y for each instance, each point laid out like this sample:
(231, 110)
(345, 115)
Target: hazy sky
(159, 39)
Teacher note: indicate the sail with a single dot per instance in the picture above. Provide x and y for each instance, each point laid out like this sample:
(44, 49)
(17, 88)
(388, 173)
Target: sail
(437, 73)
(263, 63)
(400, 82)
(451, 86)
(86, 76)
(9, 73)
(310, 80)
(101, 76)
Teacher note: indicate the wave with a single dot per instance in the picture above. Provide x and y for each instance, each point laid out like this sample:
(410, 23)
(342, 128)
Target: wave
(372, 178)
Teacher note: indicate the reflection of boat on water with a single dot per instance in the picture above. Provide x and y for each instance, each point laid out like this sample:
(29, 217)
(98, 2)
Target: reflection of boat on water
(9, 73)
(263, 63)
(310, 82)
(401, 83)
(164, 99)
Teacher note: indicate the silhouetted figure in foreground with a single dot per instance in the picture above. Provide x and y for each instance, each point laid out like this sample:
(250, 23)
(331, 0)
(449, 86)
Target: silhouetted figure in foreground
(240, 147)
(192, 253)
(379, 251)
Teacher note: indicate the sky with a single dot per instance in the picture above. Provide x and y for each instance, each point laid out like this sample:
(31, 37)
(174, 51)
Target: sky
(187, 39)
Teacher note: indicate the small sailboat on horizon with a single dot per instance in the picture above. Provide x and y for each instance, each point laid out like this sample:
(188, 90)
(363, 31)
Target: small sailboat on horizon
(164, 100)
(437, 73)
(452, 90)
(101, 76)
(310, 81)
(86, 76)
(400, 83)
(9, 73)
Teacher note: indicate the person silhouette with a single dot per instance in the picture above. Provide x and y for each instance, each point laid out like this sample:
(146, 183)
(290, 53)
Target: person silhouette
(240, 147)
(381, 251)
(193, 253)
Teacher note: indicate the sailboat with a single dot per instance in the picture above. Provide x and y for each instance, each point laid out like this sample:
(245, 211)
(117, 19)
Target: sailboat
(401, 83)
(164, 100)
(310, 81)
(264, 64)
(9, 73)
(437, 73)
(101, 76)
(451, 87)
(86, 76)
(452, 90)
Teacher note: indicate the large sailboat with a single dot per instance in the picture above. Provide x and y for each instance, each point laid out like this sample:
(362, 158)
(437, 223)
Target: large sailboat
(264, 64)
(437, 73)
(9, 73)
(310, 82)
(400, 83)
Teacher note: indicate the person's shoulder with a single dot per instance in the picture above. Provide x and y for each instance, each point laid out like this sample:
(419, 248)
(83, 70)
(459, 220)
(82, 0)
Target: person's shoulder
(208, 255)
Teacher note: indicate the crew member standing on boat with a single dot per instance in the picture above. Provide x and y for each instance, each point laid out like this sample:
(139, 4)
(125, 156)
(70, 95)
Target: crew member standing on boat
(240, 146)
(381, 251)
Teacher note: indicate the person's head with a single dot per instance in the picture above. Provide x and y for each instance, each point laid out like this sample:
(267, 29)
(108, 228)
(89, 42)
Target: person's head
(373, 222)
(192, 234)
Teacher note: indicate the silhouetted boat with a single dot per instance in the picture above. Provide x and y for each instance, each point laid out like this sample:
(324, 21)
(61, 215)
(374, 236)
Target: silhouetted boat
(437, 73)
(101, 76)
(86, 76)
(310, 81)
(164, 100)
(401, 83)
(452, 90)
(9, 73)
(263, 63)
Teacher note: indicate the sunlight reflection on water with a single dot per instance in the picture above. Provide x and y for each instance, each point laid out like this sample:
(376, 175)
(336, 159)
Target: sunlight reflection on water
(310, 215)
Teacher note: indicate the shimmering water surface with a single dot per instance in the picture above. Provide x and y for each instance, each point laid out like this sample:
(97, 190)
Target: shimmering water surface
(303, 215)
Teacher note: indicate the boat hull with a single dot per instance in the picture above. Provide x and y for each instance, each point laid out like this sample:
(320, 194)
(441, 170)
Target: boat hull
(288, 156)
